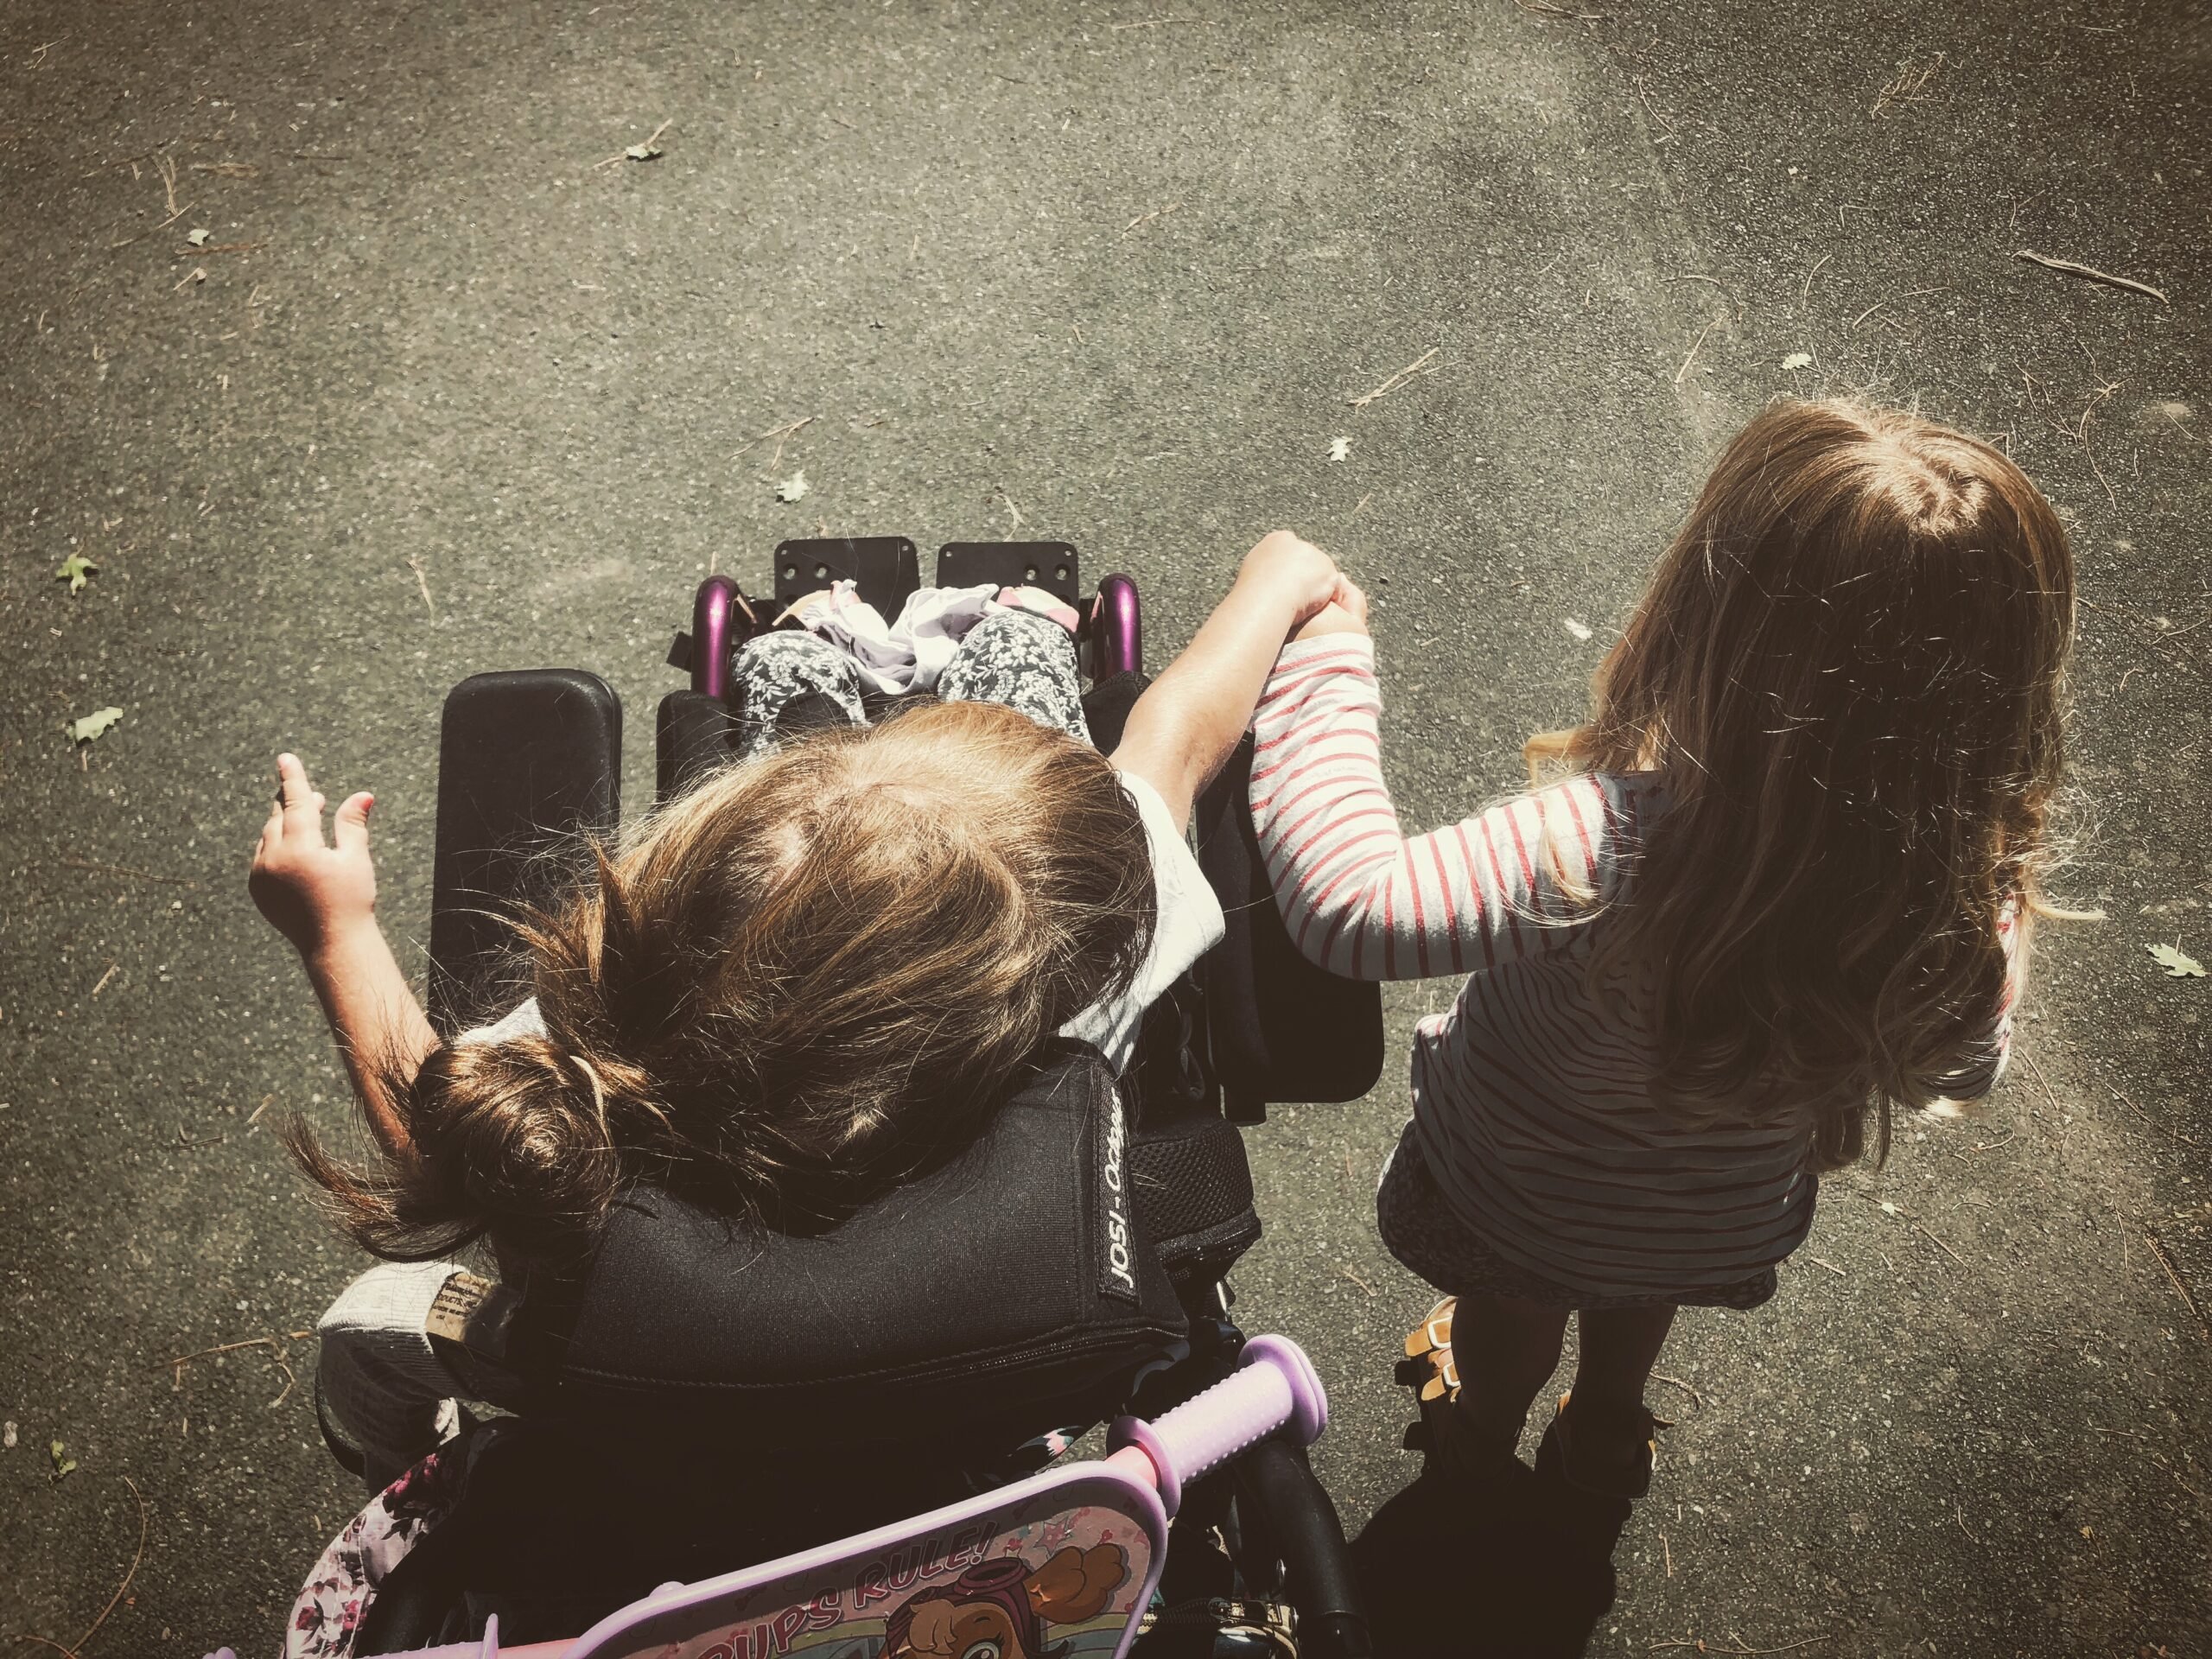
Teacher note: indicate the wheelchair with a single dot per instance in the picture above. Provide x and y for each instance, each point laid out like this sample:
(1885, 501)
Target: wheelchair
(723, 1443)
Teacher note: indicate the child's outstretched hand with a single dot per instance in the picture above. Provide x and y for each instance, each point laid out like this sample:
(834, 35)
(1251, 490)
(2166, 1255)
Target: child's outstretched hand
(312, 892)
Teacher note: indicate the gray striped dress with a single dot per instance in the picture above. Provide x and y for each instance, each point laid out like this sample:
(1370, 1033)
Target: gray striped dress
(1536, 1163)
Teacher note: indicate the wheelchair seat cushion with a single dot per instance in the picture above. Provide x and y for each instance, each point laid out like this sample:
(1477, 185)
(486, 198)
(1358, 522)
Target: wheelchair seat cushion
(1006, 1293)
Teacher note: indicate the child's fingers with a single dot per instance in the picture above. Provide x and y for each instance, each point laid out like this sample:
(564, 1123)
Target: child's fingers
(1350, 595)
(301, 805)
(349, 829)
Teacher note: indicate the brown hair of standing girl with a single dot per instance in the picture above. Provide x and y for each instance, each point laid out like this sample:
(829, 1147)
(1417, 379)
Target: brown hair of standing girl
(1850, 669)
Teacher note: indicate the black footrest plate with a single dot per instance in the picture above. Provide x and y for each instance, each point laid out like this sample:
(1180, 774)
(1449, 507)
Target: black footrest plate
(883, 569)
(1049, 565)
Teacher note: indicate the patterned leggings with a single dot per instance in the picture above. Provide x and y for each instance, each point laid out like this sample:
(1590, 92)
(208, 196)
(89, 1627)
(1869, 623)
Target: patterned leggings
(791, 681)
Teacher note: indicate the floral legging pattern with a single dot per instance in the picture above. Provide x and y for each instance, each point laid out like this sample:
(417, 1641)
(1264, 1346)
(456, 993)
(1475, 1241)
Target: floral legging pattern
(1016, 657)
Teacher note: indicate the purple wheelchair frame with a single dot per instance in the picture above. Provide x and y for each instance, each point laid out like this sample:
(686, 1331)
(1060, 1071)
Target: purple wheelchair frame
(975, 1562)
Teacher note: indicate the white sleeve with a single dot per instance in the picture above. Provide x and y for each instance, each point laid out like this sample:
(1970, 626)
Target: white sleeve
(1189, 924)
(379, 1373)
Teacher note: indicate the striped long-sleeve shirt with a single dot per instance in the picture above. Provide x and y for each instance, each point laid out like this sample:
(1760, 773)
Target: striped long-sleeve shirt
(1530, 1103)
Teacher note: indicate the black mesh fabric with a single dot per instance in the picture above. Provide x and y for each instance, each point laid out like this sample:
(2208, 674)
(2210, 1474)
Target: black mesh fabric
(1194, 1194)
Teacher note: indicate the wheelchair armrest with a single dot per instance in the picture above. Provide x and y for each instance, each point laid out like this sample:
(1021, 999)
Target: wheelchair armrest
(1279, 1028)
(530, 766)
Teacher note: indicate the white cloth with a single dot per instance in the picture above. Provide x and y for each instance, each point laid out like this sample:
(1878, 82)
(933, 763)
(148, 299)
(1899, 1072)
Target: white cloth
(1188, 924)
(908, 654)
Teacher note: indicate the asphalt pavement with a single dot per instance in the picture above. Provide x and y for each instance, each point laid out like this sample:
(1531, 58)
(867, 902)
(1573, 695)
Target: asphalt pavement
(355, 353)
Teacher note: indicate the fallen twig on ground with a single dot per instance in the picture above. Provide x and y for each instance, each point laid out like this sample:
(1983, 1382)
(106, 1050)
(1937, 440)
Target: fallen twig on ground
(2090, 273)
(275, 1355)
(1696, 1399)
(1805, 287)
(1702, 1646)
(2172, 1133)
(1908, 85)
(137, 1556)
(1411, 372)
(1819, 1262)
(2189, 1301)
(1696, 346)
(1360, 1282)
(421, 584)
(644, 152)
(779, 435)
(1544, 11)
(1146, 218)
(1922, 1230)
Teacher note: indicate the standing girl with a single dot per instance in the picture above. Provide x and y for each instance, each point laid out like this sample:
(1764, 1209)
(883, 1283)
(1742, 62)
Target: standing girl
(1780, 893)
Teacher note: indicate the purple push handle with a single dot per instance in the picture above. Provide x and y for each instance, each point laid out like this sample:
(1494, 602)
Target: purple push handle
(716, 622)
(1273, 1387)
(1118, 629)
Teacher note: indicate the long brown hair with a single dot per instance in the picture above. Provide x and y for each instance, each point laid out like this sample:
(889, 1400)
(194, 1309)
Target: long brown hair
(1848, 674)
(816, 973)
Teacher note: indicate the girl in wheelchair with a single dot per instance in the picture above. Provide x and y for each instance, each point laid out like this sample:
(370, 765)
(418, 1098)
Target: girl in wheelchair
(805, 983)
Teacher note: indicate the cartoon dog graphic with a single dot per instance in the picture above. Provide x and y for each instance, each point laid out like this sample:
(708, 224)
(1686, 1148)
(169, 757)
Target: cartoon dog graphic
(1000, 1610)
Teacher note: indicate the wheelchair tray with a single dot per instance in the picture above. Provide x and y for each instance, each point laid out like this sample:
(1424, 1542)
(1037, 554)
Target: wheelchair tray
(1063, 1563)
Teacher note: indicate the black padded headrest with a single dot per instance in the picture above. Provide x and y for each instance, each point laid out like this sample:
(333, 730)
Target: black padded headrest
(1008, 1292)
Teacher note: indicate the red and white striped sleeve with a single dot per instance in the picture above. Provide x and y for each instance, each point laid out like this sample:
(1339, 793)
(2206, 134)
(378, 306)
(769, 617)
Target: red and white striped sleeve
(1364, 900)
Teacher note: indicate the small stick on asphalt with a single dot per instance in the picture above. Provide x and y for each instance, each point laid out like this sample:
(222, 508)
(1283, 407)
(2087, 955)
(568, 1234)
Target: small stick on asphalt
(164, 165)
(1682, 373)
(1360, 1282)
(137, 1556)
(1011, 508)
(2203, 1328)
(177, 1365)
(2049, 1093)
(112, 968)
(421, 584)
(1958, 1510)
(779, 434)
(1669, 1549)
(1412, 370)
(1706, 1647)
(1940, 1245)
(1868, 312)
(1696, 1399)
(1805, 287)
(1818, 1262)
(1158, 22)
(2172, 1133)
(1543, 10)
(2090, 273)
(1638, 84)
(1146, 218)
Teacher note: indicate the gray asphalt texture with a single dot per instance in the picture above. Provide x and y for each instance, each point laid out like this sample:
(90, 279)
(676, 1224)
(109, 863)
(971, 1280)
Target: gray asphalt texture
(443, 393)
